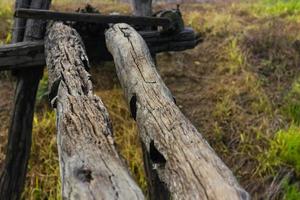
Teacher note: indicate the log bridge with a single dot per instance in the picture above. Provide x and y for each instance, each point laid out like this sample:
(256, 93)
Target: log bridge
(179, 163)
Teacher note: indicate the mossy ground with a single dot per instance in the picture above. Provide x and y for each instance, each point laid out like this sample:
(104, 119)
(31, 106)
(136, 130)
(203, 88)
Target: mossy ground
(240, 87)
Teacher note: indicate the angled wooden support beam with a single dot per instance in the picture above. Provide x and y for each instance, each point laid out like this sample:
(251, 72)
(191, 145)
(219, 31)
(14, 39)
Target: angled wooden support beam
(180, 164)
(31, 53)
(13, 174)
(90, 166)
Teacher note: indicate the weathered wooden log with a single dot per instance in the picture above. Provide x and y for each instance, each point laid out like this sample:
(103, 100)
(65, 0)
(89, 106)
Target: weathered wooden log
(27, 54)
(13, 173)
(89, 163)
(180, 163)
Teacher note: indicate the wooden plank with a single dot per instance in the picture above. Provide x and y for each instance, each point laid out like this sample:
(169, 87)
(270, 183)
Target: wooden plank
(179, 161)
(28, 54)
(89, 163)
(13, 173)
(22, 55)
(91, 17)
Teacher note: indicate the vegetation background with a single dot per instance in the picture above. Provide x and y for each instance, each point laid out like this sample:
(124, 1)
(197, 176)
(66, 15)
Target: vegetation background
(240, 87)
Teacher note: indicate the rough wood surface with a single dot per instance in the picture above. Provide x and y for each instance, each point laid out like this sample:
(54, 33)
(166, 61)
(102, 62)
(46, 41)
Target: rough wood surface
(13, 173)
(28, 54)
(89, 164)
(181, 163)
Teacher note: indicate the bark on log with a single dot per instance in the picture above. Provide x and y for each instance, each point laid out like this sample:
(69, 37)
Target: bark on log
(28, 54)
(89, 163)
(13, 174)
(181, 164)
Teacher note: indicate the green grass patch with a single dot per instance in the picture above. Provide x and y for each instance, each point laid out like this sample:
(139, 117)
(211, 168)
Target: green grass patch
(284, 150)
(291, 191)
(292, 103)
(282, 8)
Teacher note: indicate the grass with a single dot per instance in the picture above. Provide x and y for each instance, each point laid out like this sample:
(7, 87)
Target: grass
(6, 21)
(240, 87)
(278, 7)
(291, 191)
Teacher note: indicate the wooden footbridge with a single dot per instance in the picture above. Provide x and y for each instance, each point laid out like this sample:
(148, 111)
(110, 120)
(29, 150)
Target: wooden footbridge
(179, 162)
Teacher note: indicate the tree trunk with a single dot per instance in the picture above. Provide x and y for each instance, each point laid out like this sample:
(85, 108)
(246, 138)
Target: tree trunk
(90, 166)
(142, 7)
(181, 164)
(13, 174)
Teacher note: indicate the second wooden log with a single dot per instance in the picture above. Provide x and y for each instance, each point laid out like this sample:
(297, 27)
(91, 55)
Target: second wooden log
(180, 164)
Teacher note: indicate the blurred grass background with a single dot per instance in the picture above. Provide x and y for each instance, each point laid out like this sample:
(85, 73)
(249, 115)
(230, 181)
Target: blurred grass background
(240, 87)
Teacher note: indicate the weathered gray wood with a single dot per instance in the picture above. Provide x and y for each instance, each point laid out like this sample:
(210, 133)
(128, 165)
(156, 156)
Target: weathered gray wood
(89, 163)
(28, 54)
(19, 24)
(22, 55)
(13, 173)
(181, 163)
(142, 7)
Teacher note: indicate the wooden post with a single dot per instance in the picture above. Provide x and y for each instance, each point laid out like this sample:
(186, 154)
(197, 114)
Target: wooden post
(179, 161)
(19, 140)
(89, 163)
(142, 7)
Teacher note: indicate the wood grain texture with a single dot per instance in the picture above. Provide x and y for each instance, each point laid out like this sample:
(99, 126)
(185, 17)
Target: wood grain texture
(89, 163)
(179, 161)
(13, 173)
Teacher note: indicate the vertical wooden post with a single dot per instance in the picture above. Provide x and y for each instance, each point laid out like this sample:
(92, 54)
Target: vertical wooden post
(13, 174)
(142, 7)
(19, 23)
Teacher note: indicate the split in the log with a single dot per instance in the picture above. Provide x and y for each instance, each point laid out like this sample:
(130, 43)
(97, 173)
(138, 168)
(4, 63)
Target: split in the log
(89, 163)
(180, 164)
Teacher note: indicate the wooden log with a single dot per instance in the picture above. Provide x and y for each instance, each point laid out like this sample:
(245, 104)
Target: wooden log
(89, 163)
(13, 173)
(180, 162)
(28, 54)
